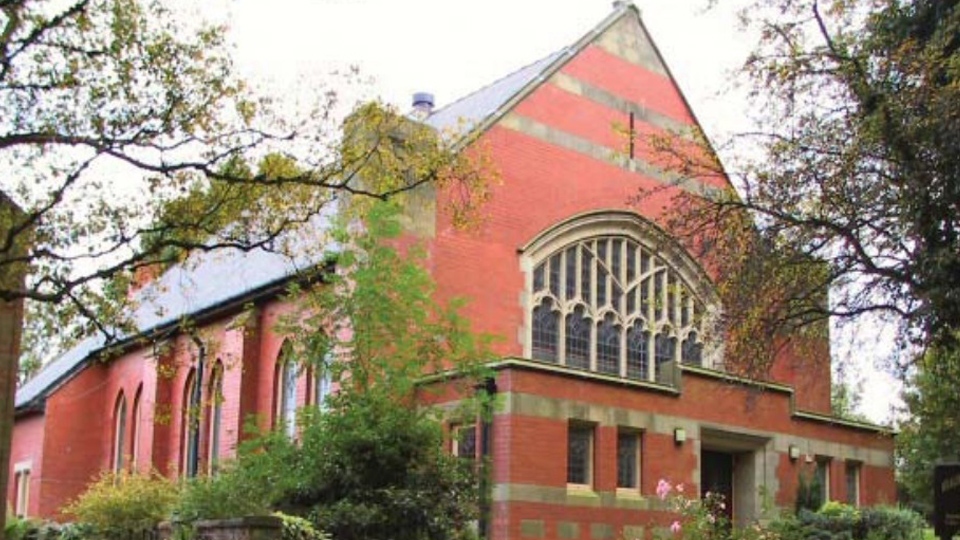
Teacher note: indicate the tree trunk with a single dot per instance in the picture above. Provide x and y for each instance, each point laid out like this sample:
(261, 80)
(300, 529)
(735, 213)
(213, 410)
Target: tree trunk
(11, 323)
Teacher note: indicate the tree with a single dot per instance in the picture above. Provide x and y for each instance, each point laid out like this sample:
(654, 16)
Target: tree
(100, 94)
(370, 463)
(931, 430)
(853, 186)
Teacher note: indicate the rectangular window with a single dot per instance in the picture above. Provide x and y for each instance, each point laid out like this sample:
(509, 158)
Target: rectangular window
(580, 454)
(628, 459)
(21, 488)
(823, 478)
(853, 483)
(464, 441)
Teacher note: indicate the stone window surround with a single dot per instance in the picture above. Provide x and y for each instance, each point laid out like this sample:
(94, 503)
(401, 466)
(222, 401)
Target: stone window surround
(614, 223)
(21, 481)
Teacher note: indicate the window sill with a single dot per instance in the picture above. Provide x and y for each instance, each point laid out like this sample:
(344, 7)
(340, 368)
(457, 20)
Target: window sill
(582, 490)
(629, 493)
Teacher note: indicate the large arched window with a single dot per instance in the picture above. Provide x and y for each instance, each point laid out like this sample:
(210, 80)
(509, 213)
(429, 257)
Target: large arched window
(215, 416)
(190, 426)
(320, 382)
(610, 293)
(135, 420)
(285, 390)
(119, 432)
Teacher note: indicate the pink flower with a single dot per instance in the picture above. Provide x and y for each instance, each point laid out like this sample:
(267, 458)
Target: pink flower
(675, 527)
(679, 488)
(663, 489)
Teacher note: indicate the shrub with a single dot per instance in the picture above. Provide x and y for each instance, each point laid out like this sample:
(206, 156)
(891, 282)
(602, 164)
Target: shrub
(16, 527)
(890, 523)
(119, 504)
(223, 496)
(298, 528)
(836, 521)
(809, 493)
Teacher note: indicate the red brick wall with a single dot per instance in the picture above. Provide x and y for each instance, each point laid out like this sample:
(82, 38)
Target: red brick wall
(73, 447)
(27, 447)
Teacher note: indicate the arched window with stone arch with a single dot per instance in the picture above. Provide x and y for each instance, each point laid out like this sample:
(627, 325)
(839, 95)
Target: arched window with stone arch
(135, 419)
(190, 425)
(610, 292)
(214, 416)
(119, 432)
(285, 390)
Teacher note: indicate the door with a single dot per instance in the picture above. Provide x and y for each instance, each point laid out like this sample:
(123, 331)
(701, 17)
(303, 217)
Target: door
(716, 477)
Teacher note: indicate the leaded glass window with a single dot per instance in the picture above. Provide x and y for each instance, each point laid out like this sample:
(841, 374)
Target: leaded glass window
(628, 459)
(580, 454)
(608, 346)
(545, 331)
(578, 339)
(612, 305)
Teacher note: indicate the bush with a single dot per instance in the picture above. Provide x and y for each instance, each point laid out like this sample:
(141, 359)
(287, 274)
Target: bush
(367, 468)
(119, 504)
(889, 523)
(836, 521)
(16, 527)
(809, 493)
(223, 496)
(298, 528)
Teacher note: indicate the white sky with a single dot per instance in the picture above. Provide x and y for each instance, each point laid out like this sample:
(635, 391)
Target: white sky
(452, 47)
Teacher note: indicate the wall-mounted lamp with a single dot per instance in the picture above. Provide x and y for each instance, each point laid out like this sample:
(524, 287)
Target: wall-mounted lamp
(679, 435)
(794, 452)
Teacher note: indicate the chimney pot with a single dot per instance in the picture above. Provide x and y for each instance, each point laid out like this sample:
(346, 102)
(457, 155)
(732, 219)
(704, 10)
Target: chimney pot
(423, 103)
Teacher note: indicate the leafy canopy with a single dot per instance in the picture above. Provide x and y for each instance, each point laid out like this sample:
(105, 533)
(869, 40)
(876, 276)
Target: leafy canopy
(850, 181)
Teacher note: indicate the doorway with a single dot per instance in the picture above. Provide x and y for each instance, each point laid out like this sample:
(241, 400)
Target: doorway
(716, 477)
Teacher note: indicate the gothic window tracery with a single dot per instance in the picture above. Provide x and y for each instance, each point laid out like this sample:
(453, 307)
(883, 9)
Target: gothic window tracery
(610, 304)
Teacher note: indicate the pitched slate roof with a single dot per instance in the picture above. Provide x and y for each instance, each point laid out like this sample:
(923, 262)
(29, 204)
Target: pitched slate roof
(217, 278)
(471, 110)
(205, 281)
(478, 110)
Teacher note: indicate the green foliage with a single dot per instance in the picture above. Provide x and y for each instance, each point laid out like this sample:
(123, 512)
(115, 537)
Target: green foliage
(809, 493)
(853, 163)
(837, 521)
(372, 464)
(298, 528)
(380, 311)
(120, 504)
(370, 467)
(931, 431)
(15, 527)
(30, 529)
(222, 496)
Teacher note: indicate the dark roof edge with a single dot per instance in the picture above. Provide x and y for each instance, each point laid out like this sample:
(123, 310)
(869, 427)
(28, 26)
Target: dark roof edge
(268, 290)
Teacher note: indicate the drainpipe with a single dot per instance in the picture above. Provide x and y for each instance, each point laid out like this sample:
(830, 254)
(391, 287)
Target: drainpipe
(488, 387)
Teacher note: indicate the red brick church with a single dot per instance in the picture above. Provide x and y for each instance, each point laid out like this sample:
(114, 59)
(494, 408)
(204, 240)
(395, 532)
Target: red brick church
(606, 384)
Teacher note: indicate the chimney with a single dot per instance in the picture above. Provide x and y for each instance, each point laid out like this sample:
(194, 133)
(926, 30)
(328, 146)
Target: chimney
(618, 4)
(422, 105)
(142, 276)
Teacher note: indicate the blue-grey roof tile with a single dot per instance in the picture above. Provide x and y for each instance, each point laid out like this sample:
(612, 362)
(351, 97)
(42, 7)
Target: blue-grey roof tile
(205, 280)
(471, 110)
